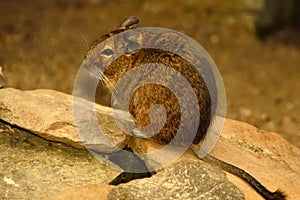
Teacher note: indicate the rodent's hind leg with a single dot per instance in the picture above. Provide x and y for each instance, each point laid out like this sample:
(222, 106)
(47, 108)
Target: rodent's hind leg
(133, 161)
(125, 177)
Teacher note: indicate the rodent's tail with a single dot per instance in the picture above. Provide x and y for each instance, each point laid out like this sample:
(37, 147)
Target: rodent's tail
(277, 195)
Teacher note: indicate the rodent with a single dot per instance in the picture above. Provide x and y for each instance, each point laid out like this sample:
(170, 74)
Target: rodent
(150, 94)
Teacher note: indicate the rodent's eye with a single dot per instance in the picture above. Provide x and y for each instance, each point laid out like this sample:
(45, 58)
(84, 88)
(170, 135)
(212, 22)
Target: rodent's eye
(107, 52)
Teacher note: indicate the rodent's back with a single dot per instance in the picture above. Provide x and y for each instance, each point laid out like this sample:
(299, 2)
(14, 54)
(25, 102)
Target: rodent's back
(152, 94)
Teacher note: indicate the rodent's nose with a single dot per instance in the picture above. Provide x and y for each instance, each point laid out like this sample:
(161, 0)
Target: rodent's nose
(87, 65)
(84, 64)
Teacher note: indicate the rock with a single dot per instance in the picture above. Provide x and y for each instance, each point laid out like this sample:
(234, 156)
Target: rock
(85, 192)
(33, 168)
(265, 155)
(189, 179)
(49, 114)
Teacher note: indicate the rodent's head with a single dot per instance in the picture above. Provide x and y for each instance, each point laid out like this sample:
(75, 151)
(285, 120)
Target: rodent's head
(111, 46)
(128, 23)
(119, 48)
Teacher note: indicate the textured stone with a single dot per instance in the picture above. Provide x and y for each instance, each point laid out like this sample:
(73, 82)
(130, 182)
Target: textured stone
(49, 114)
(266, 156)
(188, 179)
(33, 168)
(85, 192)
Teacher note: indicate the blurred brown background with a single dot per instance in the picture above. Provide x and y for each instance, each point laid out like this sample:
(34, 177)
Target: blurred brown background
(42, 44)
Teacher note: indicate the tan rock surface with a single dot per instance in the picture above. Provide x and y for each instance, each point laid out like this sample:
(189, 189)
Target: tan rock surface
(34, 168)
(85, 192)
(186, 179)
(265, 155)
(49, 114)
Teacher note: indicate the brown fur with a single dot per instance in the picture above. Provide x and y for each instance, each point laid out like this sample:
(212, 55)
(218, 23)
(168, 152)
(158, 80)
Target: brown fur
(151, 94)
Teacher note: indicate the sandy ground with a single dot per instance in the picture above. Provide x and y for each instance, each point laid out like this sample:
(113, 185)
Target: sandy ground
(42, 44)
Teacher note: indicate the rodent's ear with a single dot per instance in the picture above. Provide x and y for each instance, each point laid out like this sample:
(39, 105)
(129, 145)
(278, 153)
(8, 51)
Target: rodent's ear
(132, 41)
(129, 22)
